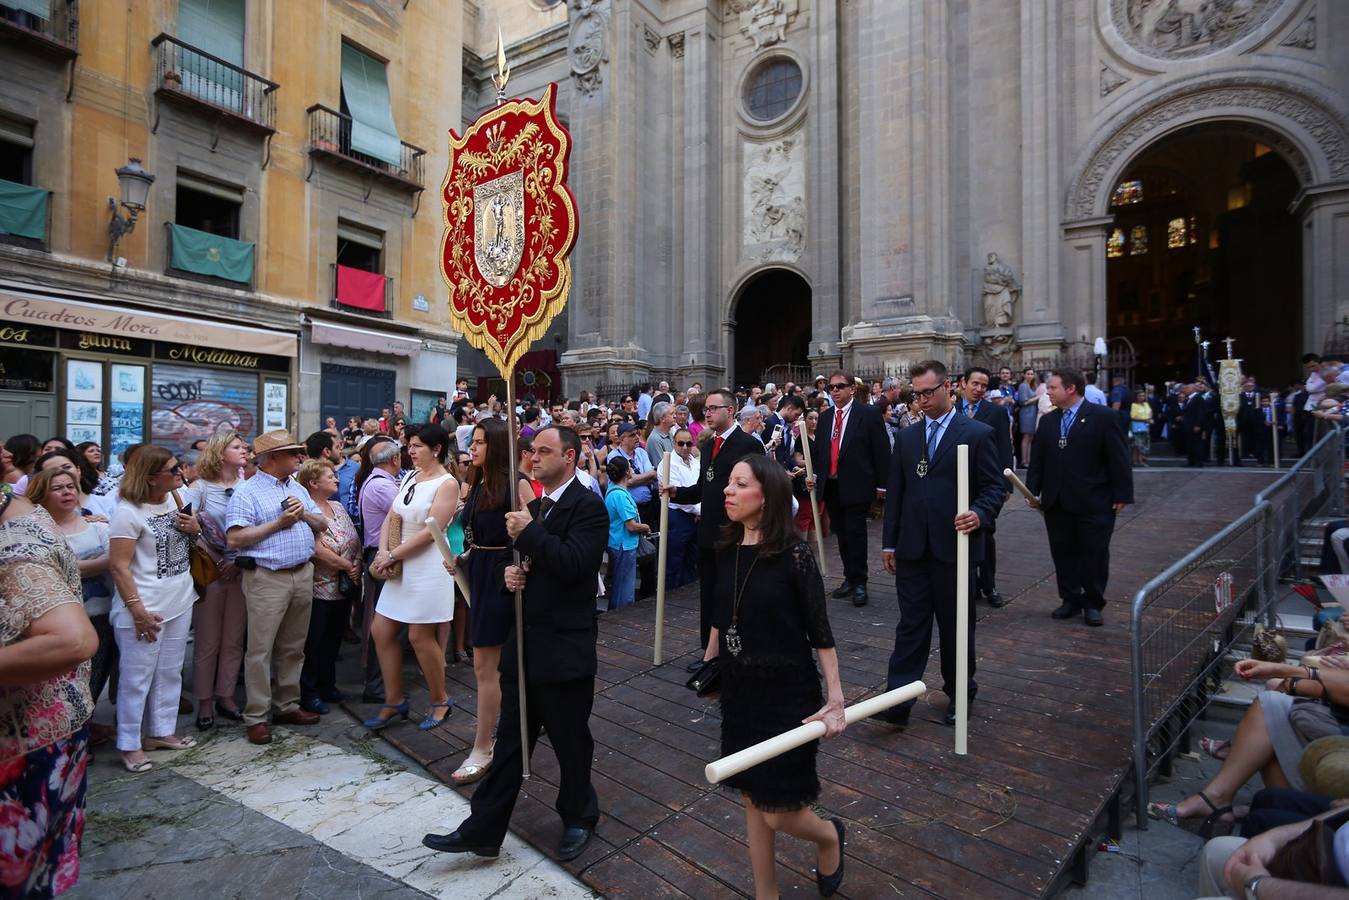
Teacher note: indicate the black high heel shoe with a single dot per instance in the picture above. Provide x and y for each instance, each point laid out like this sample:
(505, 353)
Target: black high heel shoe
(829, 884)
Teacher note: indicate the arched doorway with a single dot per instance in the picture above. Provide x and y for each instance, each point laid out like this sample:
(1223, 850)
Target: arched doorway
(772, 324)
(1203, 235)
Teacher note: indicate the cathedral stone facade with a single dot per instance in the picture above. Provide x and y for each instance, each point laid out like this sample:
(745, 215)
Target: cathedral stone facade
(870, 182)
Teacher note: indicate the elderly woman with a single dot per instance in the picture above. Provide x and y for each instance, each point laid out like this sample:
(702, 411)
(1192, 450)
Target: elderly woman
(151, 613)
(45, 640)
(337, 572)
(1267, 740)
(57, 491)
(94, 507)
(220, 620)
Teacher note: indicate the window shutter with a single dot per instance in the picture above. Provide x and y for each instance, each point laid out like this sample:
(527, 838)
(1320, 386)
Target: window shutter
(213, 26)
(366, 87)
(40, 8)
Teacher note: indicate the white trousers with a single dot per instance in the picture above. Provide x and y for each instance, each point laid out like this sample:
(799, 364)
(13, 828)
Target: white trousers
(150, 672)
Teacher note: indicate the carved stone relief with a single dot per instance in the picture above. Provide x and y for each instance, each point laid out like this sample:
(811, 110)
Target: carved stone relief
(774, 200)
(651, 38)
(1303, 37)
(765, 21)
(1175, 29)
(586, 49)
(1110, 80)
(677, 45)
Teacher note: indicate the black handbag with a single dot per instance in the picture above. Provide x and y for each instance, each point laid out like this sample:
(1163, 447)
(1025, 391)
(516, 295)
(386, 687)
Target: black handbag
(707, 680)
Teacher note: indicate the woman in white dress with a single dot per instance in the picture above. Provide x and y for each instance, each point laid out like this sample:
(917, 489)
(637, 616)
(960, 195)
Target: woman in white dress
(422, 597)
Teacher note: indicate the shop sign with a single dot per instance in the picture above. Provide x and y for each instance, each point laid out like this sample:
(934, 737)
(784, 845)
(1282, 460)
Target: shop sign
(211, 357)
(27, 370)
(29, 335)
(91, 342)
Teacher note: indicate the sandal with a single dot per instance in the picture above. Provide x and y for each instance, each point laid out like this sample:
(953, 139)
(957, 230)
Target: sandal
(1215, 748)
(178, 743)
(470, 772)
(1169, 813)
(137, 768)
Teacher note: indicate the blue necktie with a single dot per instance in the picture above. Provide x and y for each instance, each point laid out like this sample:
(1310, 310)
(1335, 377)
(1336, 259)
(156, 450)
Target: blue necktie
(1066, 425)
(932, 429)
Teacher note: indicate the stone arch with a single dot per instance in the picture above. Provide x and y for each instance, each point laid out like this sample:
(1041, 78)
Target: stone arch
(1296, 120)
(792, 322)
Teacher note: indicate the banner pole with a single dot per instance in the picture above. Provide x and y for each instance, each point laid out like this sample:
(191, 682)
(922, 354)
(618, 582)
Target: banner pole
(962, 697)
(519, 595)
(814, 504)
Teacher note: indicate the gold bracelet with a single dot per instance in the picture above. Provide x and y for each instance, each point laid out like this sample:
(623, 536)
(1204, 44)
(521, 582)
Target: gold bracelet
(130, 600)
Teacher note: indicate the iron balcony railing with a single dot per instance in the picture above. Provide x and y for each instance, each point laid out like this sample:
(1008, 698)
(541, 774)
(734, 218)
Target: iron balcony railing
(59, 32)
(336, 302)
(330, 135)
(184, 73)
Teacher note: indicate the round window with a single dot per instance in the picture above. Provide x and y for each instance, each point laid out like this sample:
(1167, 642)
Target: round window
(772, 89)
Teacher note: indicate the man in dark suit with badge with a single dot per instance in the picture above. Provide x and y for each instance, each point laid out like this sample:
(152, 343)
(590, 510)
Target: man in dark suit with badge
(719, 454)
(1081, 476)
(851, 459)
(918, 537)
(971, 403)
(563, 536)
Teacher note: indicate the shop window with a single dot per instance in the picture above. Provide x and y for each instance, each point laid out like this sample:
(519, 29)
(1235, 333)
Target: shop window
(1114, 245)
(1138, 240)
(1127, 193)
(16, 151)
(209, 206)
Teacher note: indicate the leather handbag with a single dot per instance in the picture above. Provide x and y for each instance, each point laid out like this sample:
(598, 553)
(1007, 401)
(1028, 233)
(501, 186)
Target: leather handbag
(203, 566)
(707, 680)
(1310, 857)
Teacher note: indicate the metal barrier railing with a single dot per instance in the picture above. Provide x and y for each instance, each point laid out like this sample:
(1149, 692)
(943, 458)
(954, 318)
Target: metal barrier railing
(1186, 620)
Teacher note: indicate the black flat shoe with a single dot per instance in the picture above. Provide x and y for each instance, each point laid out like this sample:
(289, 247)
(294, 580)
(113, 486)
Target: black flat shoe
(225, 712)
(859, 595)
(1066, 610)
(829, 884)
(995, 600)
(315, 705)
(949, 718)
(333, 696)
(573, 842)
(205, 723)
(895, 715)
(1093, 617)
(843, 590)
(694, 666)
(454, 843)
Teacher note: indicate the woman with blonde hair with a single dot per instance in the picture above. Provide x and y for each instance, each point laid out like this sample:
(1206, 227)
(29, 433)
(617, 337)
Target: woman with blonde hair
(149, 543)
(220, 620)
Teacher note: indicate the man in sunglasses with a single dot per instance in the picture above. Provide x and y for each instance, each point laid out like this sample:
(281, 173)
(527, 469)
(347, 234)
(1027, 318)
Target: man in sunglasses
(271, 522)
(852, 458)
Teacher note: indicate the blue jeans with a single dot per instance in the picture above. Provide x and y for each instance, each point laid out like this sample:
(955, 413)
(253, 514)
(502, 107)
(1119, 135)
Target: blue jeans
(623, 575)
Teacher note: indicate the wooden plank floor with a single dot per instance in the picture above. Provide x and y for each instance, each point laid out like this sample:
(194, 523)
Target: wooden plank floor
(1049, 737)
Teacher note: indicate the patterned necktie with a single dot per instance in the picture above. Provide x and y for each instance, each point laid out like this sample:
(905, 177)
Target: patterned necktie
(834, 443)
(545, 504)
(1066, 424)
(933, 427)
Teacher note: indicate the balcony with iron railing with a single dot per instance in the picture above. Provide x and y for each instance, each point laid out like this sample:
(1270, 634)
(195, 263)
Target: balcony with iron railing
(358, 291)
(330, 137)
(195, 78)
(56, 32)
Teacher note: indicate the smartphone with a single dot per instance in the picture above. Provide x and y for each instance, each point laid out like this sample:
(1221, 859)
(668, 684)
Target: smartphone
(186, 509)
(777, 432)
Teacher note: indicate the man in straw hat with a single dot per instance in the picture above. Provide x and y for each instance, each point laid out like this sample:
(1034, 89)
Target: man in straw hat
(271, 523)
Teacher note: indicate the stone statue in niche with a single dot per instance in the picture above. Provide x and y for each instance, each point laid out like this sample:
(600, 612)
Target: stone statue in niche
(765, 21)
(585, 47)
(775, 220)
(1001, 291)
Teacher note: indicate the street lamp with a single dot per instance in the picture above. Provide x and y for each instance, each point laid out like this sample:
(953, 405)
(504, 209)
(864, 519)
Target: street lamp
(1100, 350)
(133, 182)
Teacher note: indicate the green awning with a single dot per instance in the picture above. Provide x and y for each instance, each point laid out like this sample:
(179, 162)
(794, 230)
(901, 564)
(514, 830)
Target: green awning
(23, 210)
(40, 8)
(210, 254)
(366, 88)
(215, 27)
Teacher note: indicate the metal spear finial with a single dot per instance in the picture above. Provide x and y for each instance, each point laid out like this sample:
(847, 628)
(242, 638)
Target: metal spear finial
(503, 72)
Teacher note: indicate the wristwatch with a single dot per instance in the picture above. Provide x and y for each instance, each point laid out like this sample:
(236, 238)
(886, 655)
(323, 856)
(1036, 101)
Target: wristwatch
(1252, 885)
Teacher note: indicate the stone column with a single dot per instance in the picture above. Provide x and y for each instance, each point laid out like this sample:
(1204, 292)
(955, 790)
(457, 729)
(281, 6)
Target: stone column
(1323, 211)
(1082, 258)
(824, 187)
(1041, 313)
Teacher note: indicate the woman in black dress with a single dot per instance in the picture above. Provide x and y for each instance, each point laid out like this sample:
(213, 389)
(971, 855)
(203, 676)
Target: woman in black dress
(770, 615)
(487, 553)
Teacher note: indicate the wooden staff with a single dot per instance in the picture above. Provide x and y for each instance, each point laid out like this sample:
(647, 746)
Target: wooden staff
(1018, 484)
(962, 698)
(1274, 432)
(719, 770)
(519, 595)
(443, 545)
(662, 551)
(814, 504)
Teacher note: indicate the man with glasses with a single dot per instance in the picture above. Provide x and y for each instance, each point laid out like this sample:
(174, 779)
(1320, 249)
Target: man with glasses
(852, 457)
(271, 523)
(727, 447)
(918, 538)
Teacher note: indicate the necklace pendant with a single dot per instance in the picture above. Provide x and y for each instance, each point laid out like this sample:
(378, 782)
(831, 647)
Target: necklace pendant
(733, 641)
(709, 474)
(922, 468)
(1063, 442)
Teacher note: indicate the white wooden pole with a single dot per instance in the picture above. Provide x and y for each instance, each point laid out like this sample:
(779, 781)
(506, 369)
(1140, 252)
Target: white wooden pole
(1274, 432)
(443, 545)
(814, 504)
(662, 552)
(719, 770)
(962, 698)
(514, 450)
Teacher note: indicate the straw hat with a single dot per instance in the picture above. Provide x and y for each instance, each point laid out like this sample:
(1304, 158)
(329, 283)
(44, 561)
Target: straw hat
(275, 441)
(1325, 766)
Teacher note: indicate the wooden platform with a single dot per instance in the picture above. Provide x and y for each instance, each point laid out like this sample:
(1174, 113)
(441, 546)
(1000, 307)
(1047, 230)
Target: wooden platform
(1049, 736)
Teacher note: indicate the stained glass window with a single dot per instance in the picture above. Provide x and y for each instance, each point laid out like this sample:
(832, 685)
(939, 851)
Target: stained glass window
(1194, 231)
(1127, 193)
(1138, 240)
(1114, 246)
(1175, 233)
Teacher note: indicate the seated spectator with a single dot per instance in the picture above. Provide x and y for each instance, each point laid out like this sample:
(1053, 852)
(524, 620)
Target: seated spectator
(1240, 868)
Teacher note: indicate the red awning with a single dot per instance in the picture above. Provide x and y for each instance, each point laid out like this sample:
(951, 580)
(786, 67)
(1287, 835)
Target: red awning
(360, 289)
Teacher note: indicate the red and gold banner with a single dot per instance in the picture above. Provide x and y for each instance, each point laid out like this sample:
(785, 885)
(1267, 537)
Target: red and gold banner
(510, 223)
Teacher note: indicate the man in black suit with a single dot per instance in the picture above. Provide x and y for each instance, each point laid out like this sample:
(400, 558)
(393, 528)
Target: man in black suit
(1251, 425)
(1193, 420)
(726, 447)
(1302, 421)
(918, 538)
(973, 387)
(563, 535)
(1080, 472)
(851, 459)
(790, 410)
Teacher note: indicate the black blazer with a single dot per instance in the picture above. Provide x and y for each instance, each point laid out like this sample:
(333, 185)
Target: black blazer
(1194, 414)
(920, 513)
(863, 457)
(711, 493)
(564, 551)
(1092, 472)
(995, 417)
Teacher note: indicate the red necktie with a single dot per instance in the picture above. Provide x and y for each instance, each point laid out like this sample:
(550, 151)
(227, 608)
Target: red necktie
(834, 443)
(716, 445)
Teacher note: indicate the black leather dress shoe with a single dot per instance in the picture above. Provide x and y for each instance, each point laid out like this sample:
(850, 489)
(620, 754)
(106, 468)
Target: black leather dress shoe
(828, 885)
(453, 843)
(1066, 610)
(1093, 617)
(843, 590)
(573, 841)
(995, 600)
(859, 595)
(895, 715)
(949, 719)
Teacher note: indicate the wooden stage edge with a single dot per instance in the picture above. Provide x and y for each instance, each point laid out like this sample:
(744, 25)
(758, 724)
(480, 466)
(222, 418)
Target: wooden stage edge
(1050, 738)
